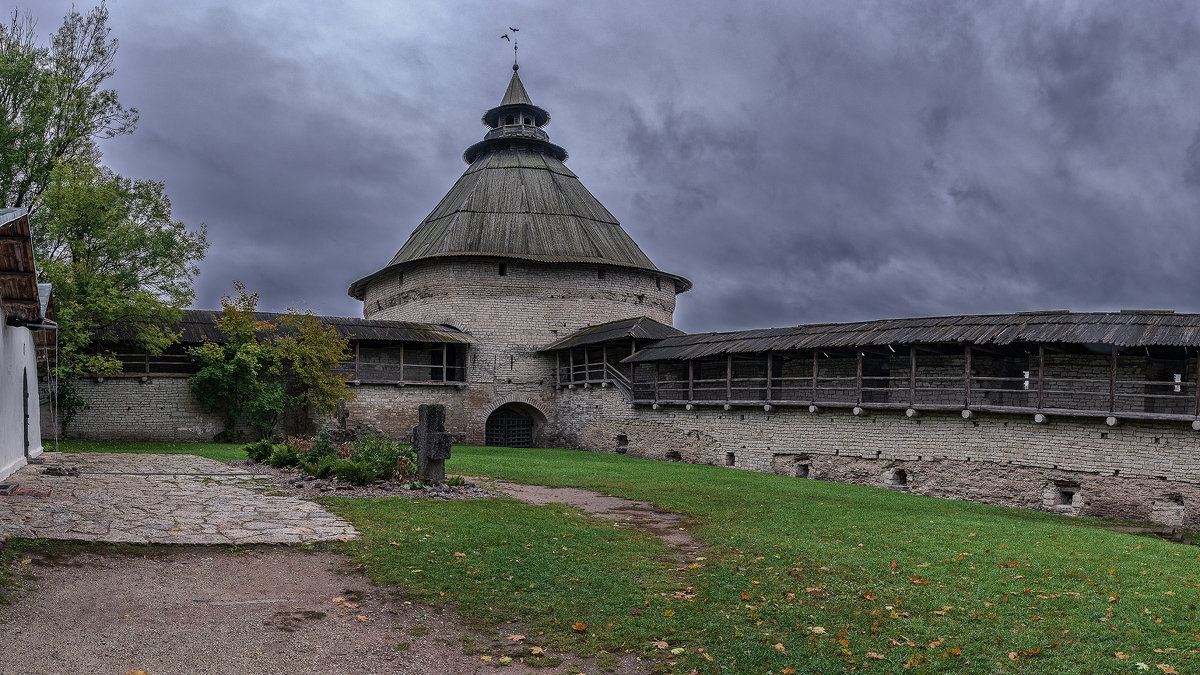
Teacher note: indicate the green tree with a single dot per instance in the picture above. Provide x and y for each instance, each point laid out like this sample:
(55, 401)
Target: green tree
(121, 267)
(260, 367)
(53, 104)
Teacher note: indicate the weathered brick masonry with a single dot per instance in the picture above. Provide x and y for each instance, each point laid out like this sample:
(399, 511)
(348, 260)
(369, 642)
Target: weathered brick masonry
(1137, 470)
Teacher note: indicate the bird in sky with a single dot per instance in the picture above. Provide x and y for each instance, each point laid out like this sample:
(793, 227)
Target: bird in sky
(513, 29)
(505, 36)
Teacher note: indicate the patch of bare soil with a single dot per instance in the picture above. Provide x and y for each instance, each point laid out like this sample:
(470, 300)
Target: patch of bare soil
(210, 610)
(664, 525)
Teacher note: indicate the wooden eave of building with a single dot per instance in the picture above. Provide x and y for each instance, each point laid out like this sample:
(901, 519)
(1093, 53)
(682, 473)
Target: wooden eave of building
(639, 329)
(1124, 329)
(18, 277)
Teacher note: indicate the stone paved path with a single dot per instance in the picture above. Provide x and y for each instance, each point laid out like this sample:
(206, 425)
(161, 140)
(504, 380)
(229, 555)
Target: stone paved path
(162, 499)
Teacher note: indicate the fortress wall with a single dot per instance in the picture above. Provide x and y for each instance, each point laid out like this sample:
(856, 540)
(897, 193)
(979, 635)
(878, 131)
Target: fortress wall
(1137, 470)
(516, 314)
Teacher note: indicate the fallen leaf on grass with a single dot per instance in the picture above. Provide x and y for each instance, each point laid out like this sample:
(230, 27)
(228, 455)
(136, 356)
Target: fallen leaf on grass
(678, 650)
(788, 671)
(1121, 655)
(485, 658)
(874, 655)
(504, 660)
(516, 638)
(937, 643)
(338, 599)
(660, 644)
(1167, 669)
(136, 672)
(780, 648)
(360, 617)
(458, 554)
(579, 626)
(536, 651)
(816, 630)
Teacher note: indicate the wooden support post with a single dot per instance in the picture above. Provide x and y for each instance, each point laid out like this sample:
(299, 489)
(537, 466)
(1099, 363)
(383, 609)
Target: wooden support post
(858, 377)
(912, 375)
(1041, 389)
(728, 378)
(691, 381)
(1112, 380)
(445, 362)
(814, 378)
(147, 362)
(401, 361)
(357, 355)
(604, 363)
(656, 382)
(632, 347)
(769, 364)
(558, 367)
(571, 365)
(967, 376)
(1196, 405)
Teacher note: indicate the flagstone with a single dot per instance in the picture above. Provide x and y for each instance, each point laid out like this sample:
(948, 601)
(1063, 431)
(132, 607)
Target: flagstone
(179, 499)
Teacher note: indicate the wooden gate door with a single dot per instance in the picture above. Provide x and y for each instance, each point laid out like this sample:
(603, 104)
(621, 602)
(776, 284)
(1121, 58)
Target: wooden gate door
(509, 429)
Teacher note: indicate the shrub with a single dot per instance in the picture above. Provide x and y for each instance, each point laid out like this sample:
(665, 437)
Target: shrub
(260, 451)
(381, 457)
(322, 468)
(351, 472)
(455, 481)
(283, 457)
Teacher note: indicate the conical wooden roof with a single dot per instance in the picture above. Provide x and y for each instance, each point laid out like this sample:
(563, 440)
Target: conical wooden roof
(518, 200)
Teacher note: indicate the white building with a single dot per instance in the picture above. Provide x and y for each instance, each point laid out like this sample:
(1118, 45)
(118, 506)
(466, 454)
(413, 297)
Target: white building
(22, 314)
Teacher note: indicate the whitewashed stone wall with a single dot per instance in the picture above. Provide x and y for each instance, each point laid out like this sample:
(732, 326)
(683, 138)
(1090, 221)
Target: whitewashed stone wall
(17, 361)
(1137, 470)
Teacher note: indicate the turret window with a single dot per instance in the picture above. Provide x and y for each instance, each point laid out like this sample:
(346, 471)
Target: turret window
(503, 269)
(508, 119)
(601, 273)
(525, 120)
(658, 283)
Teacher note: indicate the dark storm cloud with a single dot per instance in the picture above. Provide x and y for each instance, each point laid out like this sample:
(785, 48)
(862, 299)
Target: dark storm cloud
(800, 162)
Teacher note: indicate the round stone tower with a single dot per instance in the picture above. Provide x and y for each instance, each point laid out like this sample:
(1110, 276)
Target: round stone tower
(518, 254)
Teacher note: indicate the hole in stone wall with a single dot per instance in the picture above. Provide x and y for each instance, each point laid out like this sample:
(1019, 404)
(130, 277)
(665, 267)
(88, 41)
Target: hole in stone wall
(729, 459)
(674, 456)
(898, 477)
(1065, 496)
(1103, 434)
(601, 273)
(658, 283)
(802, 471)
(622, 440)
(503, 269)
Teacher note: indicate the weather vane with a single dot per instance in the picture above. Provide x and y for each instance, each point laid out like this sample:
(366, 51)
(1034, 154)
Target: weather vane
(514, 44)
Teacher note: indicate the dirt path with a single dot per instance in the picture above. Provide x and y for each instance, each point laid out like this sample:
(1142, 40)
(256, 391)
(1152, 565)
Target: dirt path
(209, 610)
(664, 525)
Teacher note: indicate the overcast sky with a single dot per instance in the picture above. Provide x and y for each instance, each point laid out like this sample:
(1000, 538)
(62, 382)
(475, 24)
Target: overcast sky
(800, 162)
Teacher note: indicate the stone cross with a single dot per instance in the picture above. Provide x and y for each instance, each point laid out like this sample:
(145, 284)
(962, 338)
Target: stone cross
(431, 442)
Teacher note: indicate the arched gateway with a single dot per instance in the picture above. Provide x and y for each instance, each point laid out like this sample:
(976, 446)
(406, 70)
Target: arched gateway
(513, 425)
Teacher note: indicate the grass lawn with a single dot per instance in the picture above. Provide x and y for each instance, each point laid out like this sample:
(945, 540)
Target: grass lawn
(221, 452)
(801, 576)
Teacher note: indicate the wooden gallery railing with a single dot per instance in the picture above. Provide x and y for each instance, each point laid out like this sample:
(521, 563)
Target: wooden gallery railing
(1084, 386)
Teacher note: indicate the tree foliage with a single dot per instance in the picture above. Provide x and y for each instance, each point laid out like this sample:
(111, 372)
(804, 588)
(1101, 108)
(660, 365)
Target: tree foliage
(120, 265)
(53, 104)
(262, 367)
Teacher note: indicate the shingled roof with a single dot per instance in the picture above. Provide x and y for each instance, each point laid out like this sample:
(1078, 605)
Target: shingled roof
(641, 328)
(518, 200)
(1120, 329)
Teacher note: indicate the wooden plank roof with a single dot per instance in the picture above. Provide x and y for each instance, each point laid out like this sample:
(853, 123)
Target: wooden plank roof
(641, 328)
(198, 325)
(1126, 328)
(18, 279)
(524, 205)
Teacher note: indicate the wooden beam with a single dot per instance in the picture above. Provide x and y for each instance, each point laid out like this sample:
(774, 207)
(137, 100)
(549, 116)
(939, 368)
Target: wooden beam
(656, 381)
(445, 362)
(357, 350)
(912, 375)
(401, 361)
(1196, 404)
(1041, 388)
(769, 364)
(728, 378)
(1112, 380)
(967, 376)
(691, 381)
(557, 367)
(571, 365)
(814, 377)
(858, 398)
(604, 362)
